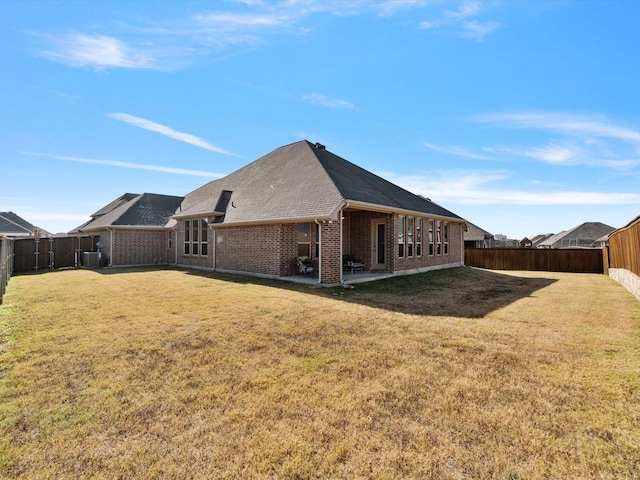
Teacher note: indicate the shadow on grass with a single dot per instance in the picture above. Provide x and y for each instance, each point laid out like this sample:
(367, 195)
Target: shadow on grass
(457, 292)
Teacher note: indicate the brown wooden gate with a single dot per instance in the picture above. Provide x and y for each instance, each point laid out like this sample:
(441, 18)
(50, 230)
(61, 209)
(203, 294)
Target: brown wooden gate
(37, 254)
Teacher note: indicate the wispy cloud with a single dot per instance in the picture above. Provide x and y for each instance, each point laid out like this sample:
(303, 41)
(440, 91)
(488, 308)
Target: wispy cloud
(95, 51)
(175, 43)
(461, 22)
(576, 139)
(457, 151)
(477, 187)
(168, 132)
(115, 163)
(581, 125)
(328, 101)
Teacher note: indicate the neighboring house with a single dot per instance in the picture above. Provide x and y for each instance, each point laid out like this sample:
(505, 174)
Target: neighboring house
(12, 225)
(538, 239)
(476, 237)
(134, 229)
(525, 243)
(585, 235)
(298, 202)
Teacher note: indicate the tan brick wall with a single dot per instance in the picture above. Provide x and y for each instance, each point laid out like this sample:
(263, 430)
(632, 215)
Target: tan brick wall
(330, 253)
(139, 247)
(199, 261)
(264, 249)
(426, 261)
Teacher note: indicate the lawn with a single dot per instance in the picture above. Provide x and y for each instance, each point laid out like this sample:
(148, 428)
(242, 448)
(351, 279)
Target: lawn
(463, 373)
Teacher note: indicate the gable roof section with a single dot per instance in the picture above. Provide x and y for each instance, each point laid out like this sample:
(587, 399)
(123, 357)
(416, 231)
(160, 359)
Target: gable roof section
(148, 210)
(298, 182)
(12, 224)
(475, 233)
(583, 235)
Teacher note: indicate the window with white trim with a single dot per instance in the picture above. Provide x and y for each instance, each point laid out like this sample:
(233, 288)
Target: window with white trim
(304, 240)
(410, 223)
(438, 237)
(187, 235)
(400, 236)
(418, 237)
(445, 235)
(196, 237)
(431, 251)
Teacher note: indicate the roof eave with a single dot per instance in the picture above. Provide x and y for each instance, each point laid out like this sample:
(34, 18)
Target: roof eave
(400, 211)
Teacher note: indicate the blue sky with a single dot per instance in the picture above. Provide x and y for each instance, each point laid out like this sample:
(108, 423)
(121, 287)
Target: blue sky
(521, 116)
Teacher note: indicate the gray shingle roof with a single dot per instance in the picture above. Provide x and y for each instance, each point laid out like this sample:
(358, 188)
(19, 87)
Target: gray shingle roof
(146, 210)
(301, 181)
(584, 235)
(12, 224)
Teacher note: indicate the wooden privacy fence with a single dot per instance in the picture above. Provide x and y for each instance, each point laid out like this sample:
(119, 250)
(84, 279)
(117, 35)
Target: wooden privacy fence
(624, 247)
(575, 260)
(6, 268)
(36, 254)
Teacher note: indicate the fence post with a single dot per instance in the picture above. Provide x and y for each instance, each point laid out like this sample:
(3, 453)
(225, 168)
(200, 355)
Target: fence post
(605, 260)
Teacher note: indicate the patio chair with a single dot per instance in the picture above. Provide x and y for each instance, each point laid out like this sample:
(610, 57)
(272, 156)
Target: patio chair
(305, 267)
(349, 262)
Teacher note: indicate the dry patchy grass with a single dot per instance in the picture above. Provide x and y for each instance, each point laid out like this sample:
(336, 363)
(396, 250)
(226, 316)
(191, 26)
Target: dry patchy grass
(447, 375)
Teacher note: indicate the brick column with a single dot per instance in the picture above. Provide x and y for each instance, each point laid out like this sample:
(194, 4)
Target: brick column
(331, 262)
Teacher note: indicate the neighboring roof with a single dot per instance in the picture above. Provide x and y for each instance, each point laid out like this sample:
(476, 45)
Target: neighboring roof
(475, 233)
(583, 235)
(300, 181)
(133, 210)
(538, 239)
(14, 225)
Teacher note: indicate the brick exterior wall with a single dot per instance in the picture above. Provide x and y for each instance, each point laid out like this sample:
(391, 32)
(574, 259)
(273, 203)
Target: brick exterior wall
(257, 249)
(426, 261)
(197, 261)
(331, 267)
(357, 231)
(138, 247)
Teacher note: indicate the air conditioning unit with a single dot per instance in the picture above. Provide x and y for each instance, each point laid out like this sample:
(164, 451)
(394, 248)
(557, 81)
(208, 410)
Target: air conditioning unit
(91, 259)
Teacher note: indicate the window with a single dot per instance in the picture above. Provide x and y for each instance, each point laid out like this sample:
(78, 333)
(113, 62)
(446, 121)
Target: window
(304, 240)
(194, 241)
(418, 237)
(196, 236)
(410, 222)
(317, 240)
(187, 232)
(169, 241)
(430, 237)
(445, 228)
(438, 237)
(204, 227)
(400, 236)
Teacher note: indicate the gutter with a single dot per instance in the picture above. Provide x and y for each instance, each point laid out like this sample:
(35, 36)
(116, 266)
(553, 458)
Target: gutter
(110, 230)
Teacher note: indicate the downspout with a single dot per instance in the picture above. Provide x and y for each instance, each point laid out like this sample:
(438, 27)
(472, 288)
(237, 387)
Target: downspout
(320, 248)
(346, 205)
(213, 249)
(110, 230)
(175, 244)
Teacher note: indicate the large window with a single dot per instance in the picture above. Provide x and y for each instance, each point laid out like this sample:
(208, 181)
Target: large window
(445, 235)
(431, 237)
(410, 223)
(196, 237)
(400, 236)
(304, 240)
(418, 237)
(438, 237)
